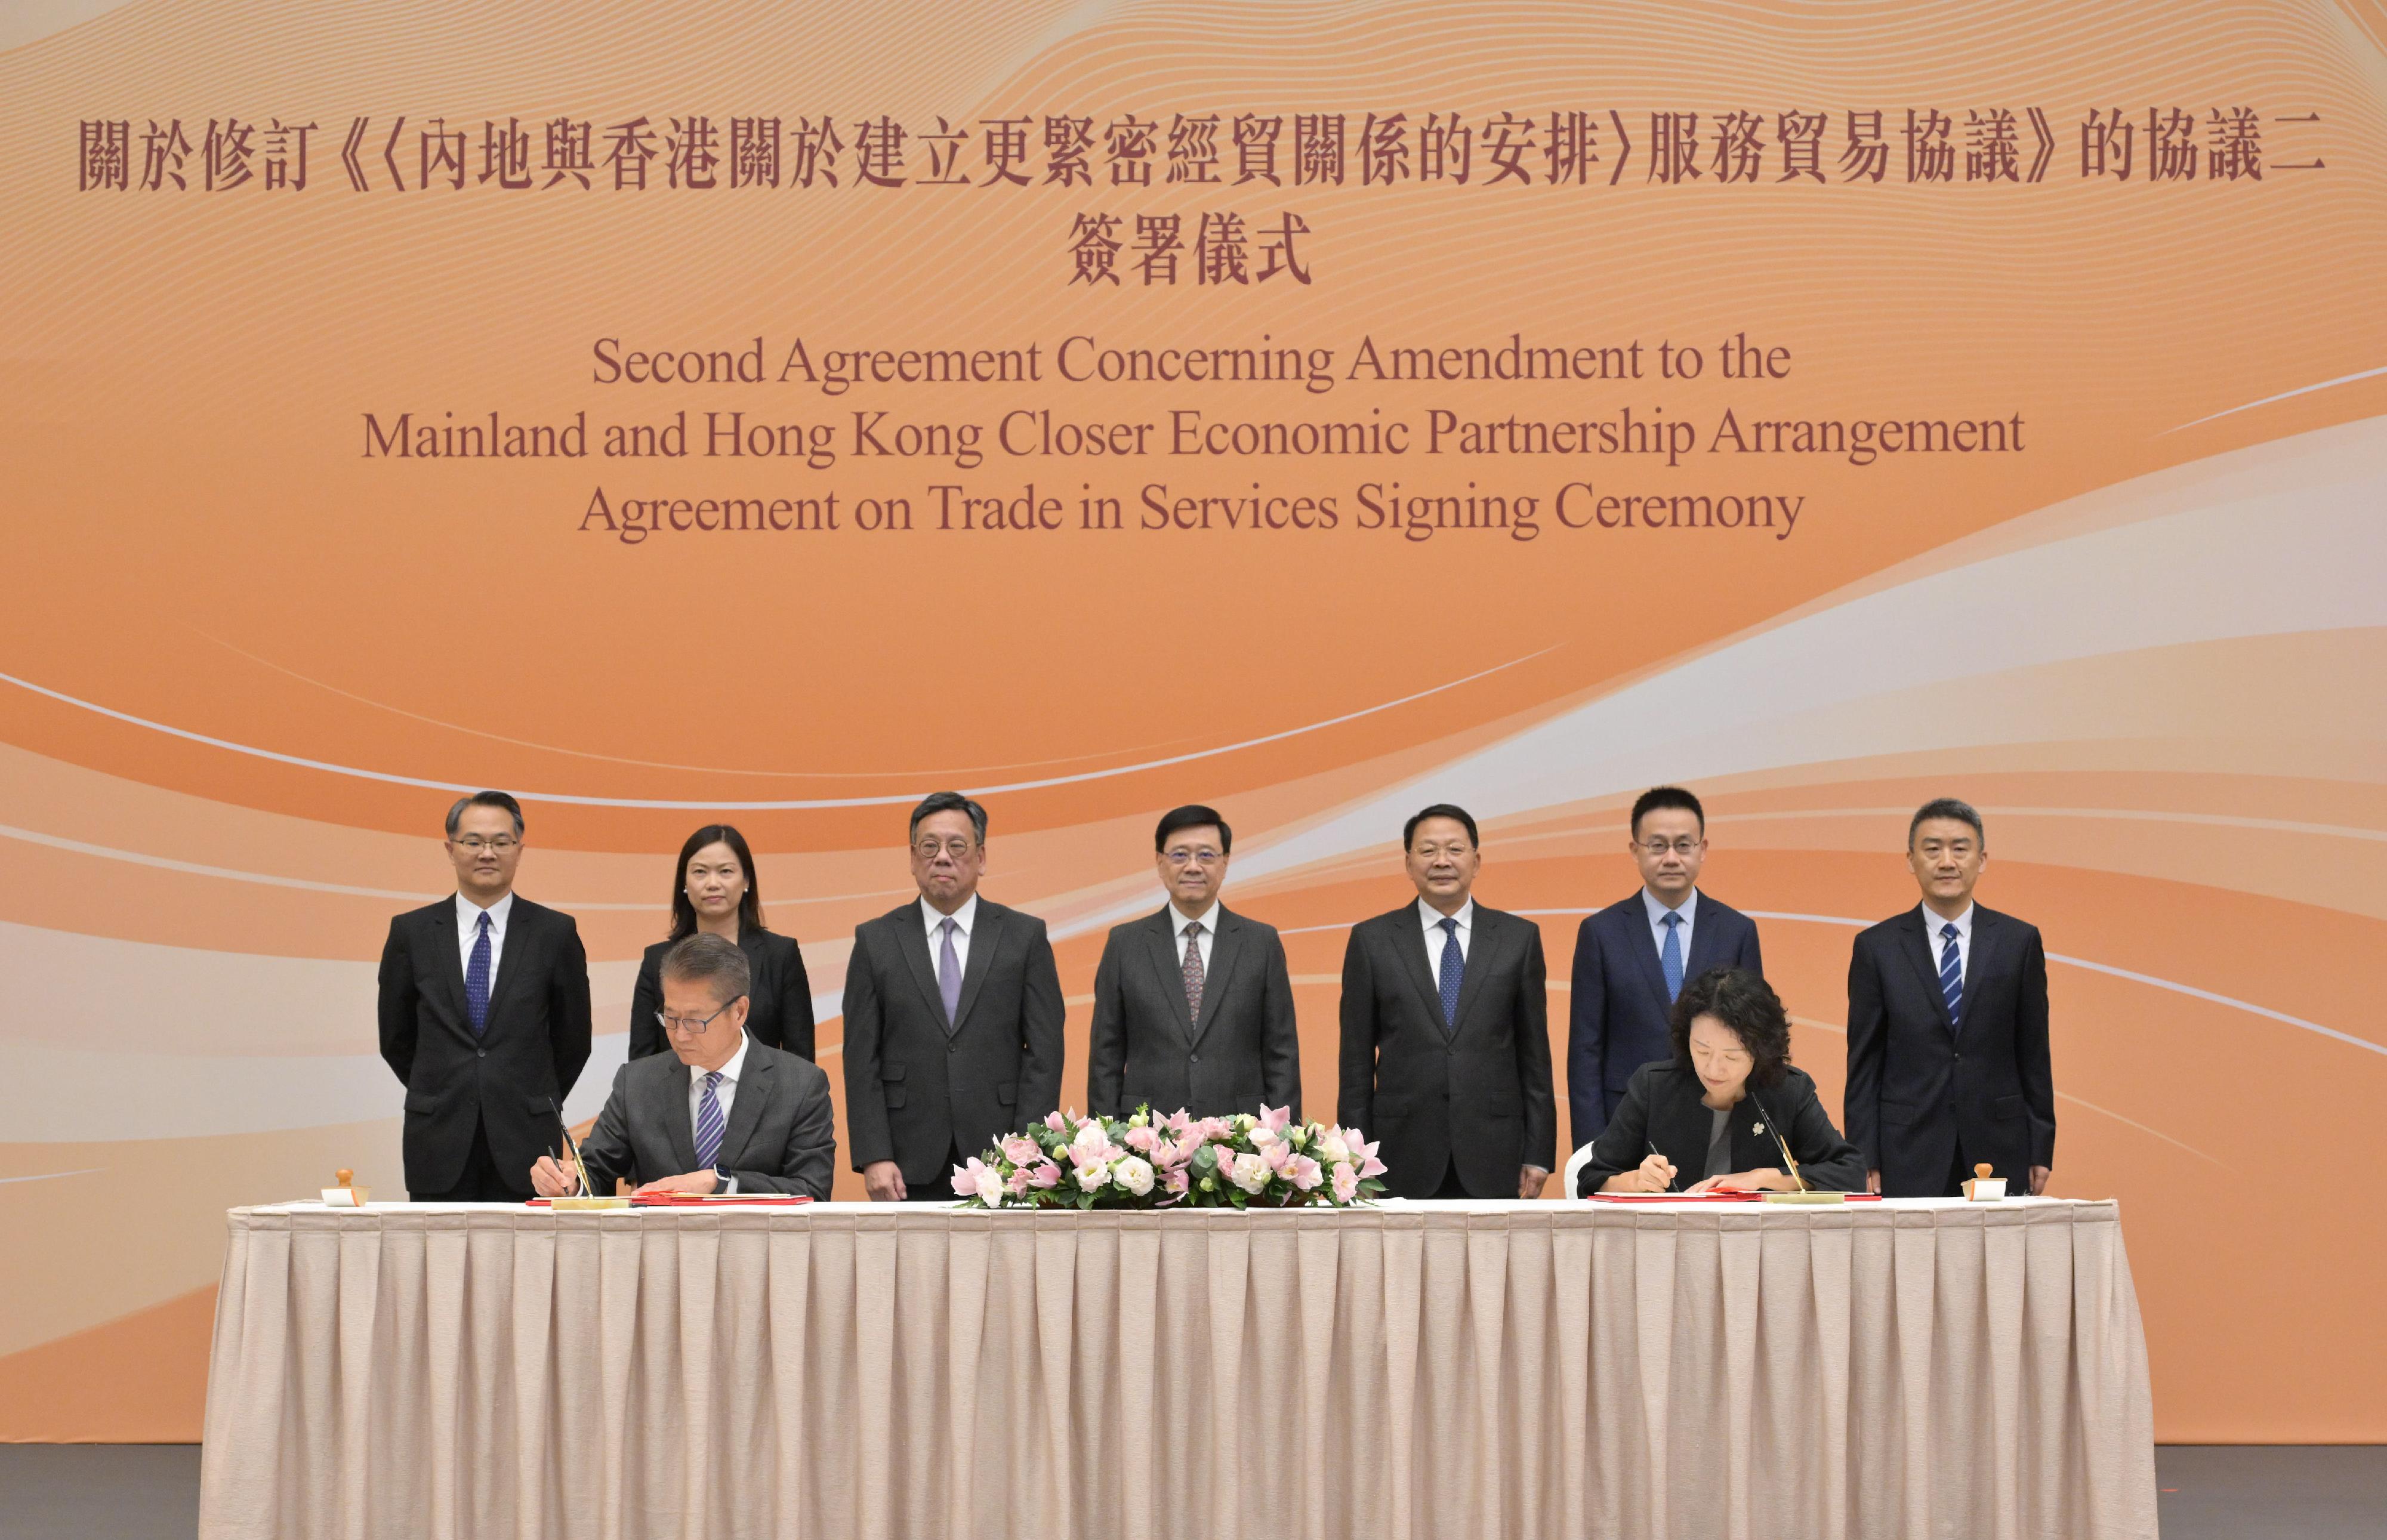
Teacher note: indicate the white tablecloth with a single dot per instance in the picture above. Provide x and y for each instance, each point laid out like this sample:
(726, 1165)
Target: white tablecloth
(1409, 1369)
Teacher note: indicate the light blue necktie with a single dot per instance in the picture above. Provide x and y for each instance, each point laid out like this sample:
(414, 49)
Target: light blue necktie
(1670, 957)
(1952, 976)
(709, 1124)
(476, 980)
(1454, 969)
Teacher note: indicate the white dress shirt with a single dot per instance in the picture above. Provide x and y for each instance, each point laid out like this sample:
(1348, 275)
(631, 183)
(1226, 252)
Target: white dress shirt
(724, 1094)
(1435, 939)
(1208, 919)
(1932, 922)
(468, 930)
(964, 918)
(1658, 912)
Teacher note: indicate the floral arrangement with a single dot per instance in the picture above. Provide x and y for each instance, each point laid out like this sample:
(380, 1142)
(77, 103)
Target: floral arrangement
(1264, 1161)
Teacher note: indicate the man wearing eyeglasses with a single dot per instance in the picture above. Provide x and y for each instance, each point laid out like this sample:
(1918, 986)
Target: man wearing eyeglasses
(1632, 958)
(718, 1115)
(483, 1017)
(1194, 1006)
(953, 1017)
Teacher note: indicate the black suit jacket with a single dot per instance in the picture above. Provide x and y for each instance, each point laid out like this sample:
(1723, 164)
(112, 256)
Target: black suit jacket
(915, 1091)
(1662, 1106)
(781, 1136)
(1478, 1094)
(1145, 1047)
(1916, 1088)
(779, 1013)
(511, 1080)
(1618, 1010)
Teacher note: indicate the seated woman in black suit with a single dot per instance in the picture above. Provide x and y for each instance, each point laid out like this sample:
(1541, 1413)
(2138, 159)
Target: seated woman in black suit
(715, 891)
(1717, 1114)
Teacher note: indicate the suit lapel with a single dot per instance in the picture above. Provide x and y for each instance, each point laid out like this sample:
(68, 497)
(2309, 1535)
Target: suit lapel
(1160, 942)
(1707, 939)
(753, 1090)
(1645, 947)
(985, 937)
(676, 1124)
(1226, 948)
(1483, 948)
(1926, 966)
(451, 959)
(911, 941)
(519, 930)
(1418, 951)
(1988, 939)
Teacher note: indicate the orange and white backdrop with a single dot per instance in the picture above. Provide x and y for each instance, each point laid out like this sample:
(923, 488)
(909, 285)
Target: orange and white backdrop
(245, 665)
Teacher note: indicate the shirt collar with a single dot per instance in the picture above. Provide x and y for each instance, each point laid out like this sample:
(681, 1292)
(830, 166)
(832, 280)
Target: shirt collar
(468, 914)
(1433, 917)
(1932, 922)
(737, 1064)
(1208, 919)
(966, 916)
(1658, 912)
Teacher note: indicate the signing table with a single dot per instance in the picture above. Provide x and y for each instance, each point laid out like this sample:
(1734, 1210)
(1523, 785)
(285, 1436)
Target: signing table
(1407, 1369)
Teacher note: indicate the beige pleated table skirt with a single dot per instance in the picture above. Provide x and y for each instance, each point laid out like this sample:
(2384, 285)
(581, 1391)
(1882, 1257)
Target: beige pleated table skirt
(1412, 1369)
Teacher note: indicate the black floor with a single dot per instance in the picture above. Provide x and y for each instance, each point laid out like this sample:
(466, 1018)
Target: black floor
(151, 1492)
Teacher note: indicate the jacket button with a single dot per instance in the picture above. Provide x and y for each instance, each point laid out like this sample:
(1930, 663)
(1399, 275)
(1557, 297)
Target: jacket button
(480, 1053)
(1192, 1058)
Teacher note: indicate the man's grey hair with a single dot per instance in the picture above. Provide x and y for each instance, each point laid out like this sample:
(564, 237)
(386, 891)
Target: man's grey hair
(713, 961)
(485, 799)
(948, 801)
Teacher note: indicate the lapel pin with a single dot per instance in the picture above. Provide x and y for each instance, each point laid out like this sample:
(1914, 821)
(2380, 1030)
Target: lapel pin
(1757, 1128)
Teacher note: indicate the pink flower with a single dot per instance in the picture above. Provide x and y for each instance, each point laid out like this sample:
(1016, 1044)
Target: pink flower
(1176, 1182)
(1055, 1121)
(1275, 1119)
(1142, 1141)
(1179, 1121)
(1045, 1175)
(1017, 1184)
(1365, 1154)
(1303, 1172)
(979, 1180)
(1279, 1156)
(1019, 1150)
(1347, 1183)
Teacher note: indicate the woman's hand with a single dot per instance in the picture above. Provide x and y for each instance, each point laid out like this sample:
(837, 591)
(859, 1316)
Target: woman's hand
(1655, 1174)
(1765, 1178)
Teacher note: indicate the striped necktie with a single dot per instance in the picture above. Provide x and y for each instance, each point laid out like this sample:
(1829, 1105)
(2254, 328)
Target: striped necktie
(1952, 976)
(709, 1123)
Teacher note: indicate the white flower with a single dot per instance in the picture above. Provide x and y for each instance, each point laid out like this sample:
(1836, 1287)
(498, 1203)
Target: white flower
(1092, 1174)
(1250, 1172)
(1092, 1141)
(1331, 1148)
(1133, 1174)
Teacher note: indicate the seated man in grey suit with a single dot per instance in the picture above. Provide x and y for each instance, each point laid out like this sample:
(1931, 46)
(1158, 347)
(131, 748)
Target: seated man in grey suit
(1194, 1006)
(720, 1113)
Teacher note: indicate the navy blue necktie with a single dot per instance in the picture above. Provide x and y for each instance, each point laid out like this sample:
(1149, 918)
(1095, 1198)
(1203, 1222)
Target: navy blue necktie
(1454, 970)
(709, 1124)
(476, 978)
(1670, 957)
(1952, 976)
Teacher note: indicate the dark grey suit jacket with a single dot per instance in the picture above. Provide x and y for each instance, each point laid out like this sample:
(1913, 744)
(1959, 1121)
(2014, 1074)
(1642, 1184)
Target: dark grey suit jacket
(781, 1137)
(1918, 1087)
(1145, 1048)
(509, 1081)
(915, 1091)
(1478, 1095)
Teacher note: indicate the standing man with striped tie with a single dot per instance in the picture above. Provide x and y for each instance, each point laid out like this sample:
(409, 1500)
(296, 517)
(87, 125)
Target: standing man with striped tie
(483, 1017)
(1194, 1006)
(1446, 1031)
(1947, 1036)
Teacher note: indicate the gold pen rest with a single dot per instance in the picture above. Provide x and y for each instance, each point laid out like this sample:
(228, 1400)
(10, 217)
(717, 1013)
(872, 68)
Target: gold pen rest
(588, 1203)
(1810, 1196)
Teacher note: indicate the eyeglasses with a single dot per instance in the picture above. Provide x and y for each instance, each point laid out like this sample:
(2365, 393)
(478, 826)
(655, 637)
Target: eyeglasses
(687, 1025)
(1184, 857)
(1656, 847)
(501, 843)
(957, 848)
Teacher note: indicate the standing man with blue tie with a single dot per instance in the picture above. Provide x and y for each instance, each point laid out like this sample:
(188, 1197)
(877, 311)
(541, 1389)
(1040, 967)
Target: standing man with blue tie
(953, 1017)
(1948, 1029)
(1446, 1031)
(483, 1017)
(1631, 959)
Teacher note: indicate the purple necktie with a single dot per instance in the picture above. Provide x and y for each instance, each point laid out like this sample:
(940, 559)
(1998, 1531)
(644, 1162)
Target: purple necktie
(949, 976)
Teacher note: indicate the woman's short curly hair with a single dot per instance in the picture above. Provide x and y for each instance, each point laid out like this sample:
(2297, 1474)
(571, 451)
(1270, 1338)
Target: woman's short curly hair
(1747, 1003)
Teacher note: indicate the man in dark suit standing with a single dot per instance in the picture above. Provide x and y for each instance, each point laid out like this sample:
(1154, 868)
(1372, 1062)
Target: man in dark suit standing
(953, 1017)
(721, 1113)
(1194, 1006)
(483, 1017)
(1631, 958)
(1446, 1031)
(1948, 1042)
